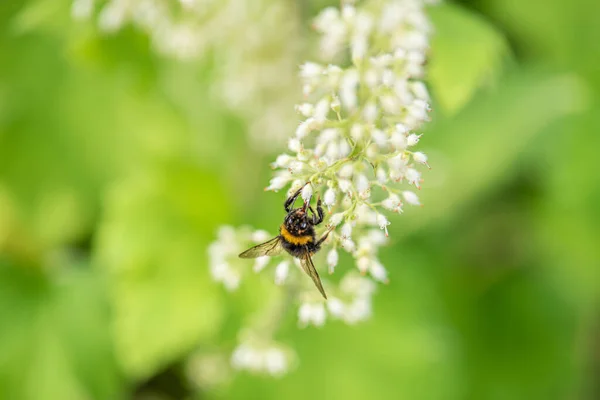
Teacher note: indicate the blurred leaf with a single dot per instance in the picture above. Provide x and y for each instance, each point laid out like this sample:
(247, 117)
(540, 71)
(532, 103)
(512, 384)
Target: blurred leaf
(70, 129)
(54, 341)
(568, 218)
(466, 53)
(152, 242)
(478, 148)
(564, 33)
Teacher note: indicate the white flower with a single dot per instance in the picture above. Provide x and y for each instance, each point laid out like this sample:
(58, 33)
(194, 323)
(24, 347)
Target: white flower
(336, 219)
(306, 109)
(321, 110)
(382, 176)
(348, 245)
(282, 161)
(261, 357)
(296, 167)
(310, 70)
(278, 182)
(370, 112)
(392, 203)
(332, 260)
(307, 192)
(420, 157)
(311, 313)
(411, 198)
(295, 145)
(345, 185)
(383, 223)
(260, 263)
(336, 307)
(413, 177)
(412, 139)
(275, 361)
(363, 264)
(346, 230)
(306, 127)
(362, 183)
(355, 146)
(399, 141)
(281, 272)
(329, 198)
(378, 271)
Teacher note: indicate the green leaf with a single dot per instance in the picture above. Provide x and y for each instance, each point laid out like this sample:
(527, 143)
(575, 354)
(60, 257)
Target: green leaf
(55, 342)
(478, 148)
(152, 242)
(467, 53)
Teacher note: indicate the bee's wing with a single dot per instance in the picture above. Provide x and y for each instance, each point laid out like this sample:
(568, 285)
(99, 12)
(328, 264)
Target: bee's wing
(268, 248)
(309, 268)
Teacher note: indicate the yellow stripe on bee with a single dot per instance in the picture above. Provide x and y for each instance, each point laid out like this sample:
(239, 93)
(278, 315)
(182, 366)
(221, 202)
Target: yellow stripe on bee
(294, 239)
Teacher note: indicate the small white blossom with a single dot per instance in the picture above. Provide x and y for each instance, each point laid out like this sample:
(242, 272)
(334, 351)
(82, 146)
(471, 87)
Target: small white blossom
(411, 198)
(321, 110)
(348, 245)
(332, 260)
(281, 272)
(378, 271)
(383, 223)
(346, 230)
(412, 139)
(307, 193)
(413, 177)
(392, 203)
(306, 109)
(258, 356)
(363, 264)
(420, 157)
(306, 127)
(295, 145)
(336, 307)
(312, 313)
(282, 161)
(224, 264)
(310, 70)
(336, 219)
(329, 198)
(260, 263)
(278, 182)
(362, 183)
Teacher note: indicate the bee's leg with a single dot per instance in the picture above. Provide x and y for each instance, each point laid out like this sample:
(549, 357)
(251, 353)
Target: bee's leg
(320, 212)
(291, 200)
(319, 215)
(324, 237)
(315, 219)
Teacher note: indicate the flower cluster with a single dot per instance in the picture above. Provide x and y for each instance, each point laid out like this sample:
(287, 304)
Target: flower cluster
(356, 141)
(262, 357)
(226, 267)
(255, 73)
(354, 148)
(349, 302)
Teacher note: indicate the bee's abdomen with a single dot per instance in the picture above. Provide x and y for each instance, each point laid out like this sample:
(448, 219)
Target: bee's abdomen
(293, 239)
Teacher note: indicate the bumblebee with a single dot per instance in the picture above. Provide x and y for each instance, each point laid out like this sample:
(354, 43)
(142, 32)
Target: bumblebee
(296, 236)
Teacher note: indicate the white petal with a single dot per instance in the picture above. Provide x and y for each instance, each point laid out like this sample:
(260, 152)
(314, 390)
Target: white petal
(411, 198)
(332, 260)
(281, 272)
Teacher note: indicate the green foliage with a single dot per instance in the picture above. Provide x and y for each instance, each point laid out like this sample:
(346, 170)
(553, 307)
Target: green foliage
(467, 53)
(54, 339)
(152, 241)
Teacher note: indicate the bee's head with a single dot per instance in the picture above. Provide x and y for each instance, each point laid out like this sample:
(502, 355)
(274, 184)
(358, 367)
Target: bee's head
(296, 222)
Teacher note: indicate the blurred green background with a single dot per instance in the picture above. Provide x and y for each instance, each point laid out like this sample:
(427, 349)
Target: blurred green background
(116, 168)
